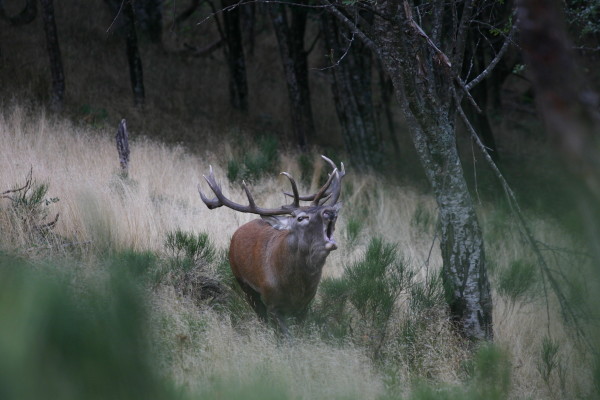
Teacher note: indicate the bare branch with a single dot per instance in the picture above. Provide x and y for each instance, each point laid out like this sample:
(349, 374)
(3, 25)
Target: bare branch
(494, 62)
(25, 187)
(352, 26)
(567, 311)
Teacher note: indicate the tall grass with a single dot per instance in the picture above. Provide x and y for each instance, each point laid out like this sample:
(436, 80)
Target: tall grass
(404, 346)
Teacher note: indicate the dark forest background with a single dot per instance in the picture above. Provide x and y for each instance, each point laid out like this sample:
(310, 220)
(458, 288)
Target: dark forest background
(206, 67)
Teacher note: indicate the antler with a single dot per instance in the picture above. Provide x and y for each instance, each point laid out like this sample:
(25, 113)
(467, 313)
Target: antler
(335, 180)
(221, 200)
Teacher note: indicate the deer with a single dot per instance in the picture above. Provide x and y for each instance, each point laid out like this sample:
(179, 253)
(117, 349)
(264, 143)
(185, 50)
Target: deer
(278, 259)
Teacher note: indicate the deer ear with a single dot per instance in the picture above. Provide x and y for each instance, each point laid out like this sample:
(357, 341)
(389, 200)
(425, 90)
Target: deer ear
(279, 222)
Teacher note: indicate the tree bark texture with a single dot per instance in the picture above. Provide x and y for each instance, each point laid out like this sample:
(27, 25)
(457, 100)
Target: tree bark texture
(238, 85)
(422, 87)
(122, 141)
(569, 108)
(56, 68)
(352, 93)
(294, 60)
(133, 55)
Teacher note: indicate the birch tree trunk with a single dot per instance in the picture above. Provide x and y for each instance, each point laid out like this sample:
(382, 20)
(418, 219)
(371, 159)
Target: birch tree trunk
(408, 61)
(423, 78)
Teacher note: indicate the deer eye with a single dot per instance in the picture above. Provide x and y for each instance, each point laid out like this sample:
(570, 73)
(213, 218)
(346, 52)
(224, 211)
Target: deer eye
(302, 217)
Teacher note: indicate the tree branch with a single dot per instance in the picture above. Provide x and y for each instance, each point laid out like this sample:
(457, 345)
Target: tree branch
(352, 26)
(495, 61)
(567, 311)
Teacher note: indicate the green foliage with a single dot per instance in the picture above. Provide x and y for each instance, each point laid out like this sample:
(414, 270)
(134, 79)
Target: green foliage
(257, 388)
(135, 264)
(517, 281)
(28, 209)
(255, 163)
(353, 228)
(427, 294)
(187, 250)
(370, 288)
(489, 372)
(306, 167)
(58, 343)
(423, 219)
(92, 115)
(233, 170)
(584, 16)
(550, 361)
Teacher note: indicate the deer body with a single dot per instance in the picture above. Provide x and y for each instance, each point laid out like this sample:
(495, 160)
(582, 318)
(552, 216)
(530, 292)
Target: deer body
(278, 260)
(275, 269)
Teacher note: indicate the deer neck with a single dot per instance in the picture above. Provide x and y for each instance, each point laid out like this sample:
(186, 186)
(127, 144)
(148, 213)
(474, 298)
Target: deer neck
(305, 258)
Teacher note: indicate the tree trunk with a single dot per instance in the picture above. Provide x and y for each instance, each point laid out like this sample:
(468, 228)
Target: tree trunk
(293, 57)
(56, 67)
(149, 18)
(420, 90)
(352, 93)
(133, 55)
(387, 92)
(238, 86)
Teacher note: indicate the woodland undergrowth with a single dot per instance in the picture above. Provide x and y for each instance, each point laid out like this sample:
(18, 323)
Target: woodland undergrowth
(117, 287)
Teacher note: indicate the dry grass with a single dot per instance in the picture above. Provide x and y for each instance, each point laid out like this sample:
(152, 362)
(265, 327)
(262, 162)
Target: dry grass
(202, 349)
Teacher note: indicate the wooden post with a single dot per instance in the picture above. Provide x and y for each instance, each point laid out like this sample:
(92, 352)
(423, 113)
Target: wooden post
(122, 138)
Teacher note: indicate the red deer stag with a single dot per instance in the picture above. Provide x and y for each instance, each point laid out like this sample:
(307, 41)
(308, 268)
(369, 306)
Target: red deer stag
(278, 259)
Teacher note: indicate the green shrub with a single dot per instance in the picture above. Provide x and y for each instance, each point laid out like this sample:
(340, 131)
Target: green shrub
(516, 281)
(233, 170)
(61, 343)
(423, 219)
(306, 167)
(353, 228)
(136, 264)
(190, 268)
(256, 163)
(187, 250)
(427, 294)
(550, 363)
(30, 204)
(28, 211)
(489, 372)
(368, 288)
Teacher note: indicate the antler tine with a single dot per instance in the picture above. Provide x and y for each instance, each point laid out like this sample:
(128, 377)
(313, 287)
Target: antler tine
(320, 193)
(337, 186)
(333, 193)
(331, 163)
(212, 183)
(248, 195)
(296, 202)
(221, 200)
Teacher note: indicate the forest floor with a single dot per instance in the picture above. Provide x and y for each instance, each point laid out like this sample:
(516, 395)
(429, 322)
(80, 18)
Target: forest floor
(116, 290)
